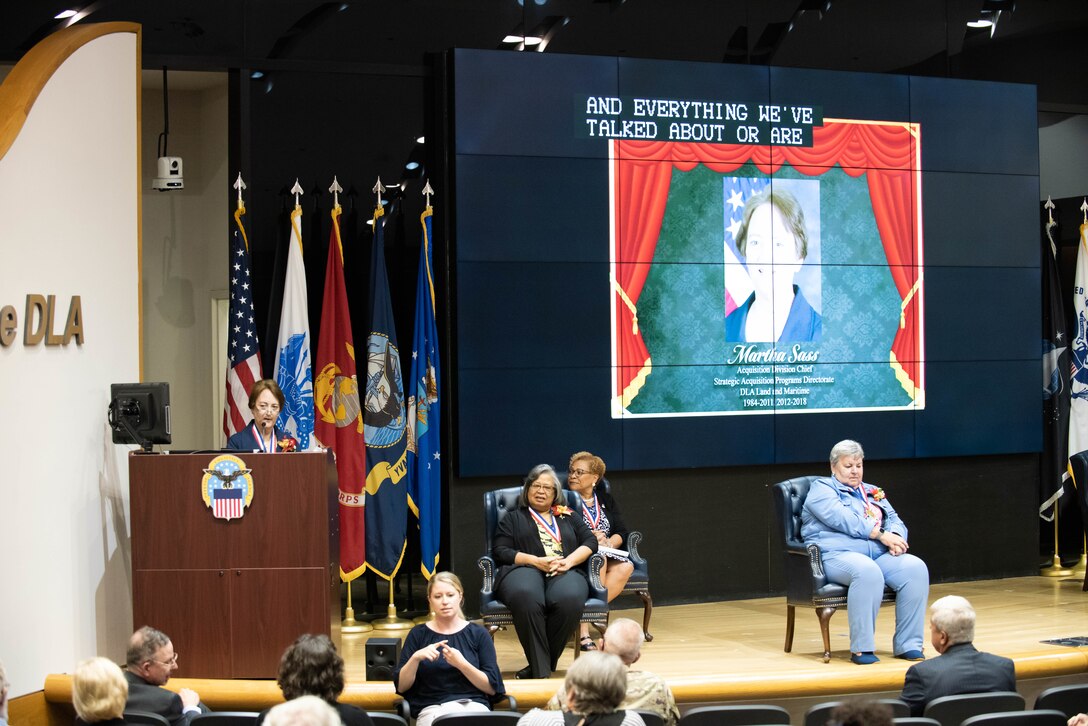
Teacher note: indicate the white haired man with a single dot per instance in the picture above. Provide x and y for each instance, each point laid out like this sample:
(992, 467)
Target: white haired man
(646, 691)
(961, 668)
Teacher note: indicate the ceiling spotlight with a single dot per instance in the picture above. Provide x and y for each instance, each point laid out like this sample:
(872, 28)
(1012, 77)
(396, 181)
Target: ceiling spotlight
(533, 40)
(411, 165)
(257, 75)
(513, 38)
(65, 14)
(980, 23)
(419, 139)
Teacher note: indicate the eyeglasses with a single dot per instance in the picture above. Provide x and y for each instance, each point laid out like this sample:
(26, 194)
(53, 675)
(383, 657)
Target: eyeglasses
(538, 487)
(267, 407)
(578, 472)
(167, 663)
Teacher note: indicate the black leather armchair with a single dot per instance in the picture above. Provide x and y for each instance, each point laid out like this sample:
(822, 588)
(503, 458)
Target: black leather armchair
(806, 583)
(496, 615)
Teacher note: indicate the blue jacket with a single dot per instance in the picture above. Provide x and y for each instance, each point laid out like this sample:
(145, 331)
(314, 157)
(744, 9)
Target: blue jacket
(834, 518)
(803, 323)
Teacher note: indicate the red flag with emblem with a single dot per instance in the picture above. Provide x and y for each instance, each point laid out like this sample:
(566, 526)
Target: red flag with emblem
(339, 419)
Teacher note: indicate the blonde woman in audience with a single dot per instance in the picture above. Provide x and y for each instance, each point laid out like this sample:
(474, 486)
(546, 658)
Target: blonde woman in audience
(99, 692)
(303, 711)
(3, 696)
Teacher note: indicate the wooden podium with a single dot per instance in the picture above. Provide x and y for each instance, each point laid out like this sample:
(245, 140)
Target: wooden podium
(233, 594)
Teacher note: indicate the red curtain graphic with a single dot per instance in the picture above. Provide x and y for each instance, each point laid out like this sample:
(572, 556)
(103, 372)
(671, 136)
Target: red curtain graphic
(885, 152)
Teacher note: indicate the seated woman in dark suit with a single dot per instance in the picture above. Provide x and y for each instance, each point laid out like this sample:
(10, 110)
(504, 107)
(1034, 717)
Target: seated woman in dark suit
(262, 434)
(541, 549)
(312, 667)
(602, 515)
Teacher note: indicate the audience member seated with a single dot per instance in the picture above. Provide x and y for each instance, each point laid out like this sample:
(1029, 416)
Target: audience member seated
(593, 690)
(863, 543)
(541, 549)
(447, 665)
(150, 661)
(1081, 719)
(960, 668)
(4, 686)
(602, 515)
(311, 667)
(646, 691)
(303, 711)
(861, 713)
(99, 693)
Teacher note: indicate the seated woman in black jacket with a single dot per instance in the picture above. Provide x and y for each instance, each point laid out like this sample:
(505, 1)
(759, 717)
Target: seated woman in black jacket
(602, 515)
(541, 549)
(311, 667)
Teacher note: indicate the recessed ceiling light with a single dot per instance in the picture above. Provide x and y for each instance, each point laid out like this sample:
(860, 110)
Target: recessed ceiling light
(411, 165)
(983, 23)
(513, 39)
(65, 14)
(255, 75)
(419, 139)
(531, 40)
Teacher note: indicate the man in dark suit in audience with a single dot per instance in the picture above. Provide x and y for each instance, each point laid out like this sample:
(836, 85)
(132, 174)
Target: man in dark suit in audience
(960, 668)
(148, 664)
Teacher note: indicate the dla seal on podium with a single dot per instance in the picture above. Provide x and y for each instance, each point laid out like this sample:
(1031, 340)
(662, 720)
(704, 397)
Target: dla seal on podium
(227, 487)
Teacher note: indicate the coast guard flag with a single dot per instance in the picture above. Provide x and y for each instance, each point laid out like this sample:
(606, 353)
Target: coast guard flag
(339, 424)
(243, 350)
(293, 345)
(384, 423)
(1055, 384)
(1078, 383)
(424, 415)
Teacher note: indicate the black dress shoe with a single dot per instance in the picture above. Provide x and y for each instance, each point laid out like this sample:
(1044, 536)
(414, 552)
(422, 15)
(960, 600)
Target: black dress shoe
(524, 673)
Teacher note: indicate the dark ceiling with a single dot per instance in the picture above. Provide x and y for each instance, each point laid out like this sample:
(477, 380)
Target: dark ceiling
(1036, 41)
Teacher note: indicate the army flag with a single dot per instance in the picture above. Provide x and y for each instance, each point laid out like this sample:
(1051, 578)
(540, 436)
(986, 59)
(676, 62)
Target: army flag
(384, 424)
(243, 350)
(292, 371)
(424, 416)
(339, 420)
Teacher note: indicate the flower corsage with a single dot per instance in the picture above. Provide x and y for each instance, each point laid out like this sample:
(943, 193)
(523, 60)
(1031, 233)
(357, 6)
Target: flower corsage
(287, 443)
(560, 511)
(877, 494)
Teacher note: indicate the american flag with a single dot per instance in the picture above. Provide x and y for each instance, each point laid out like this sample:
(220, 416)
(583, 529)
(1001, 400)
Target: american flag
(243, 350)
(229, 503)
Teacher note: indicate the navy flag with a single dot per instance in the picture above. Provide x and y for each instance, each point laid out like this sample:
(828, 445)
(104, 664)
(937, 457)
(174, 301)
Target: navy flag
(424, 415)
(385, 418)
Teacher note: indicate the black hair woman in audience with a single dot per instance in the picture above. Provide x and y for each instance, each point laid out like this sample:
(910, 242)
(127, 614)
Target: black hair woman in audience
(602, 515)
(311, 667)
(447, 665)
(541, 549)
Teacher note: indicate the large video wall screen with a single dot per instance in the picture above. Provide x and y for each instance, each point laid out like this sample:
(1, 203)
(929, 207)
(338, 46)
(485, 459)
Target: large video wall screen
(688, 265)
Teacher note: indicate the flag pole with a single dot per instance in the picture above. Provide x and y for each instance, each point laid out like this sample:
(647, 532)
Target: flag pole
(349, 624)
(391, 621)
(1055, 569)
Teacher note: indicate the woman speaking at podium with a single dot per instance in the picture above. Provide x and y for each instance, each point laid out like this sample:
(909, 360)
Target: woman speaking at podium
(262, 434)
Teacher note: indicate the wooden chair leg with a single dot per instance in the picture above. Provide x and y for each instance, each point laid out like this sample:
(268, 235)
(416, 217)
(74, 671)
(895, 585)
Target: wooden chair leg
(824, 614)
(791, 611)
(647, 611)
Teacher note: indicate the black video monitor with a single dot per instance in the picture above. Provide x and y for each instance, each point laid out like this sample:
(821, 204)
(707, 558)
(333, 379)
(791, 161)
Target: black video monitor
(139, 413)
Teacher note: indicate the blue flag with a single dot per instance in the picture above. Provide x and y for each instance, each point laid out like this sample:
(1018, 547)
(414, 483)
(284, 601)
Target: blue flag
(385, 419)
(424, 414)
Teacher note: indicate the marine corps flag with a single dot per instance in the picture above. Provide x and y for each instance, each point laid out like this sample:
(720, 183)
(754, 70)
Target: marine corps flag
(424, 417)
(384, 424)
(339, 419)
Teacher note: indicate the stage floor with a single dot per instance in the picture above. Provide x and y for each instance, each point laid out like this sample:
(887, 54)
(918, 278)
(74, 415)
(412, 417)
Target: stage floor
(728, 651)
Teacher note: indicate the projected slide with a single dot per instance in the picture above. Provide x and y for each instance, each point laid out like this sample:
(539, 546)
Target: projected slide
(822, 300)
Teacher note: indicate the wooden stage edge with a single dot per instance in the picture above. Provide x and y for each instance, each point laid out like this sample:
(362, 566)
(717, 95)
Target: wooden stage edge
(732, 651)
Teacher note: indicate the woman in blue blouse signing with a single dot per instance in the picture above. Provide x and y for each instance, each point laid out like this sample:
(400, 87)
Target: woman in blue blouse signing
(864, 545)
(448, 665)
